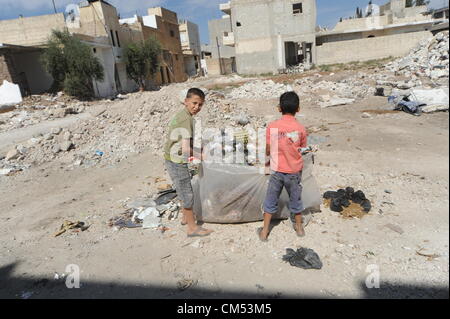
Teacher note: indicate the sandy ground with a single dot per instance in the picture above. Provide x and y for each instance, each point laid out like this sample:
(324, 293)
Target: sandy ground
(400, 161)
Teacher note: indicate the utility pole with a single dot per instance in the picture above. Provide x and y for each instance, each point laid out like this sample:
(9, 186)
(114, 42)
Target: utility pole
(54, 6)
(220, 58)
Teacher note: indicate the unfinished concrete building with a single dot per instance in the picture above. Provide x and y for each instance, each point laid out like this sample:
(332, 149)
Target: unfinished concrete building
(388, 30)
(271, 35)
(190, 44)
(96, 23)
(219, 58)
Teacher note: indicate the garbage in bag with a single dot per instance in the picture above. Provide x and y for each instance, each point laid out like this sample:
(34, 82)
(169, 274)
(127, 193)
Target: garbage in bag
(233, 193)
(303, 258)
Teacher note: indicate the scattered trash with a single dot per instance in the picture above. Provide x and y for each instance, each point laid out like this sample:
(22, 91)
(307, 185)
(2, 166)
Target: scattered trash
(142, 203)
(303, 258)
(395, 228)
(369, 253)
(184, 284)
(430, 256)
(99, 153)
(420, 101)
(379, 92)
(125, 220)
(26, 294)
(348, 202)
(166, 196)
(150, 218)
(68, 225)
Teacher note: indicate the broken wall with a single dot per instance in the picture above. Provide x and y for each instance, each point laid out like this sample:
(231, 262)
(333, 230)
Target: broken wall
(28, 63)
(30, 31)
(219, 66)
(369, 48)
(216, 29)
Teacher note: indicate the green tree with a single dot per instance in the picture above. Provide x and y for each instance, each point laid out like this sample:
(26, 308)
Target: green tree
(142, 60)
(409, 3)
(72, 65)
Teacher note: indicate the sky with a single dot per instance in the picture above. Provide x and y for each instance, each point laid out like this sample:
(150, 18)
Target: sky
(197, 11)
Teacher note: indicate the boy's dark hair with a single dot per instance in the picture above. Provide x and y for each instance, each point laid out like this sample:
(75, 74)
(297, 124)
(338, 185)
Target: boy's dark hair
(197, 92)
(289, 103)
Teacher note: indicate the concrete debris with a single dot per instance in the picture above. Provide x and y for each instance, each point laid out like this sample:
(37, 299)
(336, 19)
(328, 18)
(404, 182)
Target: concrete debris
(335, 101)
(429, 59)
(296, 69)
(12, 155)
(435, 99)
(35, 109)
(267, 89)
(9, 94)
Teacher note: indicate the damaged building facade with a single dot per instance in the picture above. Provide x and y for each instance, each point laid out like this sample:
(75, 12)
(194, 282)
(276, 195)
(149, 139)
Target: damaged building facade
(219, 57)
(271, 35)
(190, 44)
(97, 24)
(390, 30)
(161, 24)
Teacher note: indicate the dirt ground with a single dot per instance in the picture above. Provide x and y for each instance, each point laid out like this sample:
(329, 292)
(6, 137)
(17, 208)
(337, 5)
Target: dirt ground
(400, 162)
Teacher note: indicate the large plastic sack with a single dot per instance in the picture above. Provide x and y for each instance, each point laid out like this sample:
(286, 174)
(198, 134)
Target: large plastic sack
(233, 193)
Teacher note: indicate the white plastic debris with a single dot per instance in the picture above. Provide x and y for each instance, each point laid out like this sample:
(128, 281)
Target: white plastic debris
(9, 94)
(435, 99)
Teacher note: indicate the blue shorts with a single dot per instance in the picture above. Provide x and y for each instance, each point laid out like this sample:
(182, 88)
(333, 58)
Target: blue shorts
(292, 182)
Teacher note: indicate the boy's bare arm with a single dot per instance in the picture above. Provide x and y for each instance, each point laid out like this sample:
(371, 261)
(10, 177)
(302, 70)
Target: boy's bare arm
(188, 151)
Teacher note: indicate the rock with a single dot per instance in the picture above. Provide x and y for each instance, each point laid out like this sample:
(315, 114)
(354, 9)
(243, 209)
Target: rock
(366, 115)
(336, 101)
(5, 171)
(33, 141)
(67, 136)
(56, 130)
(56, 149)
(66, 146)
(12, 155)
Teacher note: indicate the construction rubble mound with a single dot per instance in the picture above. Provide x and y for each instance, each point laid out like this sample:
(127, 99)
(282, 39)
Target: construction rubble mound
(429, 59)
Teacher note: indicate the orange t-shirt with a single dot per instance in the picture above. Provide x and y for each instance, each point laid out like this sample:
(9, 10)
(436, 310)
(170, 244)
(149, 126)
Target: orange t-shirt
(286, 137)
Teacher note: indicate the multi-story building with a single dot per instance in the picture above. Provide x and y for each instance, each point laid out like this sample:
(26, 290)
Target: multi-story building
(190, 44)
(390, 30)
(270, 35)
(161, 24)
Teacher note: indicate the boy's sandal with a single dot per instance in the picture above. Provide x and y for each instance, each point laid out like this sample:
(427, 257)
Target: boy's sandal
(197, 234)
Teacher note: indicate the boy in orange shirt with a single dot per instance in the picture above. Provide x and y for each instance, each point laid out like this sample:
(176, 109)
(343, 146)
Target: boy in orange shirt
(284, 139)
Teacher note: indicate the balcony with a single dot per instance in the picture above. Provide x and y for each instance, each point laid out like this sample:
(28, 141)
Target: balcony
(228, 39)
(226, 7)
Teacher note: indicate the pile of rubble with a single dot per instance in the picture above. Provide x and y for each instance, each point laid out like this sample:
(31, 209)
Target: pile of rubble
(429, 59)
(267, 89)
(345, 91)
(37, 108)
(297, 69)
(133, 125)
